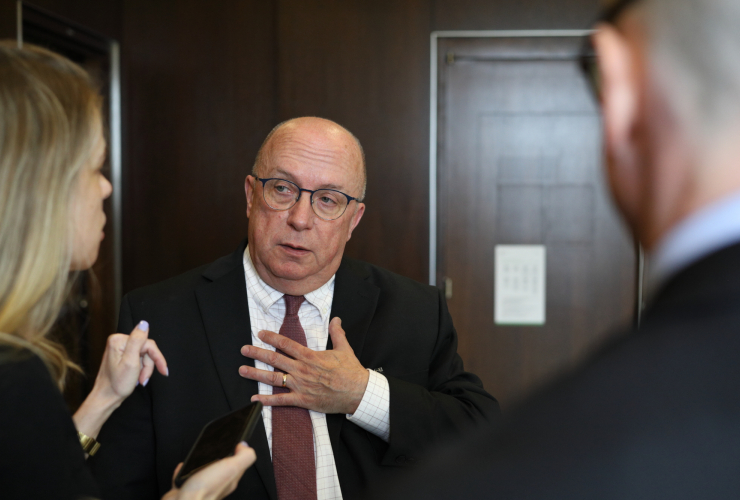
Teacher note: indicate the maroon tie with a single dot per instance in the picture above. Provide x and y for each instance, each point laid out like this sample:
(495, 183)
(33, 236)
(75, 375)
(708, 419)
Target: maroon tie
(292, 434)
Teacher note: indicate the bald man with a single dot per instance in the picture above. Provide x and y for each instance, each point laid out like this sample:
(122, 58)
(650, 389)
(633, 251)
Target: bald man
(656, 413)
(356, 366)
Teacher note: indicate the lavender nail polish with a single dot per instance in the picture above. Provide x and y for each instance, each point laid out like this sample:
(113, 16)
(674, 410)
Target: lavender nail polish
(143, 326)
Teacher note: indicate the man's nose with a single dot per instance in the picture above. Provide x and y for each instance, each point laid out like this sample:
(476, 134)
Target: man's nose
(301, 214)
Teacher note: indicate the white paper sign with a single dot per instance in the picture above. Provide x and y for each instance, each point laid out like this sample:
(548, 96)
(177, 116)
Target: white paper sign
(519, 274)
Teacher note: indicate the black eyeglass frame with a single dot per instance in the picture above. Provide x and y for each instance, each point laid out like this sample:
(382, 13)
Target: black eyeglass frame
(350, 199)
(587, 58)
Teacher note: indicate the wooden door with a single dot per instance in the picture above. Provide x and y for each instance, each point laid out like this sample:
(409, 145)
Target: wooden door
(519, 162)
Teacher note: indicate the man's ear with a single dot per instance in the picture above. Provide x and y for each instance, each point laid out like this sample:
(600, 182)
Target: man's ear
(249, 192)
(356, 218)
(620, 87)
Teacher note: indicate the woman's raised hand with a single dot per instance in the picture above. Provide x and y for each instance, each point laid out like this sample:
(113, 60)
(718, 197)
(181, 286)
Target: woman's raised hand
(128, 360)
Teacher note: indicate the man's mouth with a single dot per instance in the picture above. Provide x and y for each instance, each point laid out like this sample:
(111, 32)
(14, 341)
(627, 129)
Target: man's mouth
(294, 248)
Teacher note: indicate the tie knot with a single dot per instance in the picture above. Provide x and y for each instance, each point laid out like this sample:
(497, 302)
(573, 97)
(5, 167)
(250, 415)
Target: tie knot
(292, 304)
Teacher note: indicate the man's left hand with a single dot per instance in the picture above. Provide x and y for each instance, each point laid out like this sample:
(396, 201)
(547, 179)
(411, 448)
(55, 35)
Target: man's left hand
(330, 381)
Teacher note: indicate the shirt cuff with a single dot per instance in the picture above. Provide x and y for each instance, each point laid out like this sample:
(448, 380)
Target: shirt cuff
(374, 411)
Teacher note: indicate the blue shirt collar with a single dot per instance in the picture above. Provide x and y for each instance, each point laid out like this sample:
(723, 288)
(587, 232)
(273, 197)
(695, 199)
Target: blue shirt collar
(714, 227)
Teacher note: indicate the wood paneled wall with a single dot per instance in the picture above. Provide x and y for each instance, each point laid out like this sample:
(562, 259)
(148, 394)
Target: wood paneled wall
(7, 19)
(200, 98)
(365, 64)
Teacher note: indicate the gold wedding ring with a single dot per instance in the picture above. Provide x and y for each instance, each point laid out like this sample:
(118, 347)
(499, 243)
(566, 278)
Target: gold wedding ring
(285, 379)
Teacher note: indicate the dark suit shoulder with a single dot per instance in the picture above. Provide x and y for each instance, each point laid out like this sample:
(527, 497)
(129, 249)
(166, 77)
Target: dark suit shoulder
(388, 281)
(174, 288)
(176, 285)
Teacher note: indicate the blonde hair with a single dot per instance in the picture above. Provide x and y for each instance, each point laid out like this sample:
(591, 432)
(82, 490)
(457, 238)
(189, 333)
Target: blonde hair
(49, 117)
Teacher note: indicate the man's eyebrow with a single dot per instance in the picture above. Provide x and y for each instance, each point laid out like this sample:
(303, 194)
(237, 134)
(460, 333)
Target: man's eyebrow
(283, 174)
(287, 176)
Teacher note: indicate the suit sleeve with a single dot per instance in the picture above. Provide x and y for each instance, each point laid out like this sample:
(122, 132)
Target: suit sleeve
(129, 432)
(453, 401)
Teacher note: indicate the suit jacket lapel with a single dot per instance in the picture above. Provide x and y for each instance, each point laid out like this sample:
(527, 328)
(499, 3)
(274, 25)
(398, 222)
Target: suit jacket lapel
(225, 312)
(355, 300)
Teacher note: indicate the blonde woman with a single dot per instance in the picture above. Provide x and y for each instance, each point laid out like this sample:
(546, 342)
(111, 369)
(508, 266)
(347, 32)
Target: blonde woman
(51, 221)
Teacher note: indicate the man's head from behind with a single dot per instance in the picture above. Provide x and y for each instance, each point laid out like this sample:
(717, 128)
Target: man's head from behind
(296, 246)
(671, 99)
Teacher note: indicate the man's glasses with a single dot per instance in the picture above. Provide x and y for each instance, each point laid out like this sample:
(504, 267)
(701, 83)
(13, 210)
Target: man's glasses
(328, 204)
(587, 59)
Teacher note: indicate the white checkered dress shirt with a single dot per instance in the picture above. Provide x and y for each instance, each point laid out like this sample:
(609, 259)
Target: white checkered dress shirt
(266, 312)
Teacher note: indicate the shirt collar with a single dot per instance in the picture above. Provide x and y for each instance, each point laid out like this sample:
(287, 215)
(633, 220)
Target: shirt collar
(711, 228)
(321, 298)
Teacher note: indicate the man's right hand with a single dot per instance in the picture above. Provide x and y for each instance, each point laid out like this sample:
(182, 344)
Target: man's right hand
(215, 481)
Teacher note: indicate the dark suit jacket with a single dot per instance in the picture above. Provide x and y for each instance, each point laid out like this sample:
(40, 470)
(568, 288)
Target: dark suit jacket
(656, 414)
(200, 320)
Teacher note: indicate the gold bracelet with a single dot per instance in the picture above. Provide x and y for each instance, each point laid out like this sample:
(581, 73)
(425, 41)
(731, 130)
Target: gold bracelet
(89, 445)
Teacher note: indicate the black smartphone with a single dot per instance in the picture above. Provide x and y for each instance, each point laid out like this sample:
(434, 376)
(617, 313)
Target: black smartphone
(219, 438)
